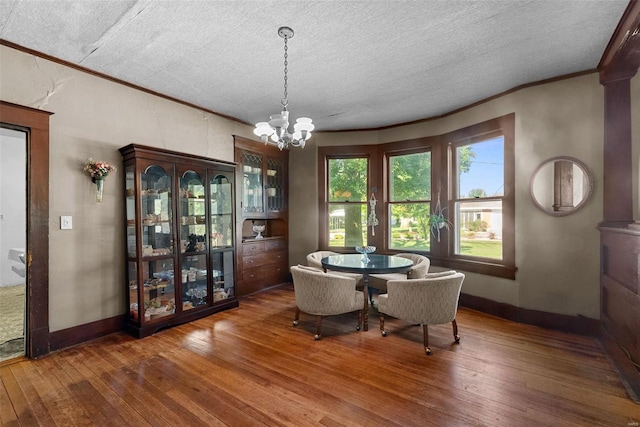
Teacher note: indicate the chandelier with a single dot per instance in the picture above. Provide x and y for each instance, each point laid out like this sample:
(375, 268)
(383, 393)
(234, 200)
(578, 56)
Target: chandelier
(278, 125)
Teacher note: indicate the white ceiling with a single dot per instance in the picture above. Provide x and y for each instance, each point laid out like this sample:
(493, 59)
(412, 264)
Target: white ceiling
(352, 64)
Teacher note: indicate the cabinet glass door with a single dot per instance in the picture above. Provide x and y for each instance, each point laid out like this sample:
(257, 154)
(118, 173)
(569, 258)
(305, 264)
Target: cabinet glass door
(157, 245)
(252, 185)
(222, 271)
(275, 185)
(193, 242)
(222, 242)
(221, 197)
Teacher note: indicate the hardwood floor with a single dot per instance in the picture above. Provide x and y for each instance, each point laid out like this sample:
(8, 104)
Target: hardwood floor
(250, 366)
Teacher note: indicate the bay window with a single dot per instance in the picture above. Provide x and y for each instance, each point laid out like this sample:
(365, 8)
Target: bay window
(468, 173)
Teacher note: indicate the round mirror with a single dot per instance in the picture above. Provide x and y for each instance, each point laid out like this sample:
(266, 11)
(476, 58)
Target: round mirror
(561, 185)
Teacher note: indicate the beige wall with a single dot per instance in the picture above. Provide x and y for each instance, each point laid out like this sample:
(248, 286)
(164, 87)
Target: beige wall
(557, 257)
(94, 117)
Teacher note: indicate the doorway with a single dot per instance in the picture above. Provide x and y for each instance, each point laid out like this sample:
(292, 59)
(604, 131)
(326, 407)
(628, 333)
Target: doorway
(31, 127)
(13, 242)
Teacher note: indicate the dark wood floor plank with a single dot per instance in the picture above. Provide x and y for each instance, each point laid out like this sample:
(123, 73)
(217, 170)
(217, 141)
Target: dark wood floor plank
(35, 405)
(131, 383)
(249, 366)
(8, 416)
(19, 401)
(58, 401)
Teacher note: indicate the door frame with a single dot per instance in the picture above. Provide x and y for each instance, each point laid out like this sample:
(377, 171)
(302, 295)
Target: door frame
(36, 125)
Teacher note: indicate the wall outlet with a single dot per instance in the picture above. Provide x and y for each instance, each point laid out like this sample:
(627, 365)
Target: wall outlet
(66, 223)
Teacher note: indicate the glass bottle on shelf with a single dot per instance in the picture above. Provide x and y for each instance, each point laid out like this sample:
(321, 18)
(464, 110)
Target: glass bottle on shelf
(193, 242)
(157, 245)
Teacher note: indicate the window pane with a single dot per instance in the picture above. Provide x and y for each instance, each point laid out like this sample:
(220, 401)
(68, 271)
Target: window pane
(479, 229)
(409, 226)
(480, 169)
(348, 180)
(347, 224)
(410, 177)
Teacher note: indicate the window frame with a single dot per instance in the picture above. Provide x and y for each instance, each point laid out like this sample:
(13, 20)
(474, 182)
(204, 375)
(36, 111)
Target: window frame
(443, 177)
(339, 152)
(502, 126)
(395, 150)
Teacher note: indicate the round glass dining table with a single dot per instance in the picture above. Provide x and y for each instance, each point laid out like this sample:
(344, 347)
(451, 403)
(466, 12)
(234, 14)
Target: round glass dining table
(365, 265)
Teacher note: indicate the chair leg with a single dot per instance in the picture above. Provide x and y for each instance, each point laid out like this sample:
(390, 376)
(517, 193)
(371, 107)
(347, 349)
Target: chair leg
(425, 333)
(359, 320)
(455, 331)
(295, 321)
(382, 331)
(318, 334)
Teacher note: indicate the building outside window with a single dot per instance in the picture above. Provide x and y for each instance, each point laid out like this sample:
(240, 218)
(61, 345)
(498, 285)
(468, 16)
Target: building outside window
(479, 175)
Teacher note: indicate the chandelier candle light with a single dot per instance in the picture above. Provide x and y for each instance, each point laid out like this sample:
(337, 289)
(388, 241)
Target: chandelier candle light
(278, 126)
(98, 171)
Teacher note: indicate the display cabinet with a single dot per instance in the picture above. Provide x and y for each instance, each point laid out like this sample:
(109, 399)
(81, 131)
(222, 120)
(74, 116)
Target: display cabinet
(261, 215)
(179, 212)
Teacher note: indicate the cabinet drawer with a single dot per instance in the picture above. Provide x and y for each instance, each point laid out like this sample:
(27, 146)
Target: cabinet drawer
(258, 260)
(252, 248)
(268, 275)
(275, 245)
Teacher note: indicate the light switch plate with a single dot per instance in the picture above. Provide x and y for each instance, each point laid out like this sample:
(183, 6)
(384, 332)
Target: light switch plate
(66, 223)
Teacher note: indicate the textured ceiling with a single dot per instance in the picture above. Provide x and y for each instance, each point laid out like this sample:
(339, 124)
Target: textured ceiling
(352, 64)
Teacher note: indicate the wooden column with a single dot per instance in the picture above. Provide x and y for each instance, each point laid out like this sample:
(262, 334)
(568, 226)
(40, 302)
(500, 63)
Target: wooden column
(617, 185)
(620, 243)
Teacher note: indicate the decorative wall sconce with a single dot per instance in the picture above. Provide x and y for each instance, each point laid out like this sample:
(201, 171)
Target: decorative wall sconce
(98, 171)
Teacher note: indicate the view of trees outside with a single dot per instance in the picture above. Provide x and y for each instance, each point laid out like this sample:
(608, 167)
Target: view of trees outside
(477, 218)
(478, 207)
(348, 202)
(410, 201)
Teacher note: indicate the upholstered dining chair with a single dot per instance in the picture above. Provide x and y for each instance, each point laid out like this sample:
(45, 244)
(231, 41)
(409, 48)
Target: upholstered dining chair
(427, 301)
(325, 294)
(314, 259)
(419, 269)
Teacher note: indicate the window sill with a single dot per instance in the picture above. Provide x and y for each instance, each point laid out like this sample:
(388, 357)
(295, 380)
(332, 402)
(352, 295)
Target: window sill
(480, 267)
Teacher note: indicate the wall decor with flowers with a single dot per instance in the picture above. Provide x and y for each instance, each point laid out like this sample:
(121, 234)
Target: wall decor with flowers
(98, 171)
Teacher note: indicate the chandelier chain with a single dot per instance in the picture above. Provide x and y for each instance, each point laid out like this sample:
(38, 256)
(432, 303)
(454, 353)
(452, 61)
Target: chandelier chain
(285, 101)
